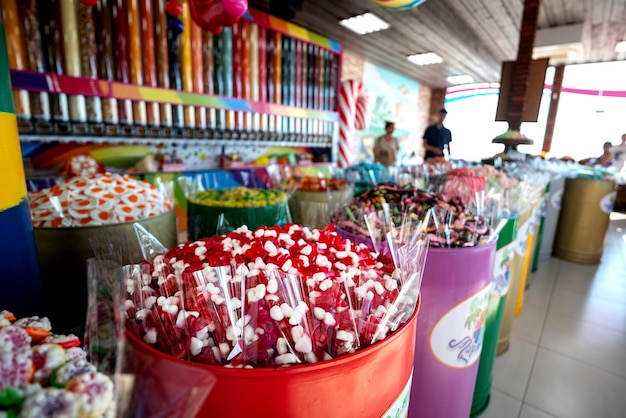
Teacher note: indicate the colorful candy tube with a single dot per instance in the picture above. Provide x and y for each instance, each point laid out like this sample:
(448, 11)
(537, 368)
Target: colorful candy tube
(310, 76)
(88, 52)
(228, 73)
(173, 41)
(71, 55)
(278, 75)
(303, 73)
(50, 15)
(327, 79)
(207, 65)
(298, 74)
(253, 74)
(218, 76)
(106, 71)
(149, 64)
(236, 60)
(197, 62)
(334, 82)
(162, 58)
(320, 78)
(185, 61)
(120, 14)
(293, 69)
(237, 70)
(262, 70)
(245, 70)
(17, 54)
(39, 101)
(135, 58)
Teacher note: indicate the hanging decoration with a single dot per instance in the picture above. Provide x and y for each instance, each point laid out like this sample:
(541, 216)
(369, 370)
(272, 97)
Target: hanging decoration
(398, 4)
(213, 15)
(354, 115)
(174, 8)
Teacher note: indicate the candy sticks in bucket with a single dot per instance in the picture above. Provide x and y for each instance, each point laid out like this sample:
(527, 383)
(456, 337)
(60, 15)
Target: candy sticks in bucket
(407, 245)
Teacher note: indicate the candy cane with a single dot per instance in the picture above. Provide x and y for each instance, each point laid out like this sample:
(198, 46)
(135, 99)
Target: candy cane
(353, 114)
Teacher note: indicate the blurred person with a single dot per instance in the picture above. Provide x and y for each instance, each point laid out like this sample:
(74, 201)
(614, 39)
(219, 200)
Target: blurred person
(437, 137)
(386, 146)
(619, 154)
(605, 160)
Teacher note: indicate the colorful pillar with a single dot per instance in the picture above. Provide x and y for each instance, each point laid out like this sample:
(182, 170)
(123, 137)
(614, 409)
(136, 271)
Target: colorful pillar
(20, 283)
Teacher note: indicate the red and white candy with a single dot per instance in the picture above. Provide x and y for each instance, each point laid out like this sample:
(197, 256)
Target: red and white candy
(273, 296)
(97, 199)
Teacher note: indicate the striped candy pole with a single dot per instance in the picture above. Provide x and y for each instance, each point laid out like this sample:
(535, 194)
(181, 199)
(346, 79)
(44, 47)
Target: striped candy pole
(186, 63)
(353, 116)
(20, 286)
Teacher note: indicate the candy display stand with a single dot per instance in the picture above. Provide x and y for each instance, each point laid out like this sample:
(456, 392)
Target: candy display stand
(529, 253)
(202, 220)
(154, 386)
(373, 382)
(583, 220)
(495, 310)
(450, 331)
(540, 228)
(521, 243)
(313, 209)
(551, 218)
(63, 253)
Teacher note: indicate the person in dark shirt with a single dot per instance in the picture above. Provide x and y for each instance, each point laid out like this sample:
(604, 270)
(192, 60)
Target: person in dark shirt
(437, 137)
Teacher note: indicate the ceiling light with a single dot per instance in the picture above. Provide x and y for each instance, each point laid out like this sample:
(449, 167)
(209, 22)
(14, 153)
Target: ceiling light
(460, 79)
(365, 23)
(620, 47)
(427, 58)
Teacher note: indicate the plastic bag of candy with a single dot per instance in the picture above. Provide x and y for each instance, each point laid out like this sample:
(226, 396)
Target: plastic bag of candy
(43, 374)
(213, 209)
(315, 195)
(97, 199)
(281, 295)
(391, 208)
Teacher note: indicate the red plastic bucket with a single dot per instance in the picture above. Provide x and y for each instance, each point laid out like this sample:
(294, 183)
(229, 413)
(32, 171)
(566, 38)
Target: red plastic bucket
(373, 382)
(450, 330)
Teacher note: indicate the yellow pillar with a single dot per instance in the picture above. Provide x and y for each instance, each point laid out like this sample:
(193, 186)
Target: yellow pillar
(20, 282)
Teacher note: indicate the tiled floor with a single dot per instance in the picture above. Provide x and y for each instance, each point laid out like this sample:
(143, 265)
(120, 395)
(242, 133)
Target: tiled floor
(567, 357)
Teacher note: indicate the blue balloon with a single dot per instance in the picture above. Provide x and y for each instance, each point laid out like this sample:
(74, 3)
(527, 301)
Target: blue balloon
(176, 26)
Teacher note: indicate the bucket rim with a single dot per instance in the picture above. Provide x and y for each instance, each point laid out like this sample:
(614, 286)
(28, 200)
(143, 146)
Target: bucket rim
(90, 227)
(472, 249)
(263, 372)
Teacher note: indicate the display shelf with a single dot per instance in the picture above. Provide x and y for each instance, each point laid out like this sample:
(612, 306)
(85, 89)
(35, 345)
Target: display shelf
(292, 30)
(317, 142)
(56, 83)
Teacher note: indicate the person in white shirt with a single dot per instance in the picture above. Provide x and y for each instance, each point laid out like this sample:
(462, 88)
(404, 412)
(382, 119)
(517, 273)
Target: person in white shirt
(619, 154)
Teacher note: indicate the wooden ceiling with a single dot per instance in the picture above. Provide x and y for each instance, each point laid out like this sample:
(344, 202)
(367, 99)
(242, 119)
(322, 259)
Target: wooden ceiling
(472, 36)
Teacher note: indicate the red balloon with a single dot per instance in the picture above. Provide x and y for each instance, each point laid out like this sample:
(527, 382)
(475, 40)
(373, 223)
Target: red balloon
(89, 2)
(173, 8)
(212, 15)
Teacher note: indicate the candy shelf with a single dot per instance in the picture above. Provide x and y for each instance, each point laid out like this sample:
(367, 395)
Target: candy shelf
(317, 142)
(262, 81)
(56, 83)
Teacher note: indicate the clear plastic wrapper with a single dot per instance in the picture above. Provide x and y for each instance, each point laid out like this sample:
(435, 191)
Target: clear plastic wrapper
(313, 197)
(450, 223)
(215, 211)
(104, 331)
(286, 295)
(98, 199)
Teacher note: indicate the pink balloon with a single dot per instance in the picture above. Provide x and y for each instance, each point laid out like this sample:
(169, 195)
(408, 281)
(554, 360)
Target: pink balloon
(213, 15)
